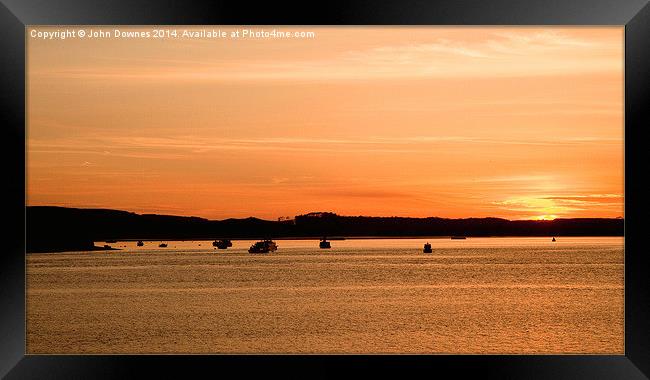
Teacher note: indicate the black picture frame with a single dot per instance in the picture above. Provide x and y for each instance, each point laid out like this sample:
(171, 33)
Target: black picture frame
(16, 15)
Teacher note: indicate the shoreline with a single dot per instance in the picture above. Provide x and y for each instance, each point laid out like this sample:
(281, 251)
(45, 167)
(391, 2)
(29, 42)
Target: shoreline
(431, 238)
(437, 237)
(55, 250)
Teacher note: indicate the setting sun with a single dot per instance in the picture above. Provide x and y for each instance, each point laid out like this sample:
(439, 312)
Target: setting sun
(546, 217)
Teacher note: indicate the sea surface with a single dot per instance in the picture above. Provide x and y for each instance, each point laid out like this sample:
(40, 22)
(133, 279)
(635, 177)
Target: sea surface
(474, 296)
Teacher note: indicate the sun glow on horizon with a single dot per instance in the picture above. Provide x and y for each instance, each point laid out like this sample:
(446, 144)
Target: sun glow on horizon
(545, 217)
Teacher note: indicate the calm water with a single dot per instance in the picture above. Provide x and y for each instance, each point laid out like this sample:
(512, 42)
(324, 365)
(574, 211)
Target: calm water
(480, 295)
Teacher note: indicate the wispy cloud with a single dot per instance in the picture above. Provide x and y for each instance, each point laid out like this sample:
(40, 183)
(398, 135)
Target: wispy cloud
(498, 54)
(172, 147)
(518, 43)
(592, 200)
(441, 46)
(361, 193)
(269, 143)
(562, 205)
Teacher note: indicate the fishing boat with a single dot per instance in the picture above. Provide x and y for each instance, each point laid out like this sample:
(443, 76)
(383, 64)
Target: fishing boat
(162, 245)
(324, 244)
(427, 248)
(140, 243)
(222, 244)
(264, 246)
(458, 238)
(553, 239)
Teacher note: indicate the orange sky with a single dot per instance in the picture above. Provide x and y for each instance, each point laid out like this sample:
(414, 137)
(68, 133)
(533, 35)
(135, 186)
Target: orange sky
(518, 123)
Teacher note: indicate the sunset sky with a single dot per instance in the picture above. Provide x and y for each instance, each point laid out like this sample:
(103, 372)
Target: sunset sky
(518, 123)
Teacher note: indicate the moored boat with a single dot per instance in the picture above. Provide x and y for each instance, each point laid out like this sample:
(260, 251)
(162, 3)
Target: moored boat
(324, 244)
(222, 244)
(162, 245)
(264, 246)
(427, 248)
(140, 243)
(271, 244)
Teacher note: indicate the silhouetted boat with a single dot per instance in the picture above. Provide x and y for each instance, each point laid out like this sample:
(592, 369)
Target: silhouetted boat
(427, 248)
(264, 246)
(324, 244)
(553, 239)
(140, 243)
(106, 246)
(271, 244)
(162, 245)
(458, 238)
(222, 244)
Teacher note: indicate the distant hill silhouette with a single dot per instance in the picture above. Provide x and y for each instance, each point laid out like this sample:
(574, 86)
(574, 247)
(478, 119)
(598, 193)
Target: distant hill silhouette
(51, 229)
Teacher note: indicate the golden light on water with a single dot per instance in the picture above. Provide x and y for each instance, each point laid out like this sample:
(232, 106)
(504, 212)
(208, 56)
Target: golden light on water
(480, 295)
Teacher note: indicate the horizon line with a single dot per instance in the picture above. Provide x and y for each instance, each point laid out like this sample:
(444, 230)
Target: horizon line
(319, 212)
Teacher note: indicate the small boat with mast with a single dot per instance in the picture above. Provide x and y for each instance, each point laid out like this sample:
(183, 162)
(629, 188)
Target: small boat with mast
(427, 248)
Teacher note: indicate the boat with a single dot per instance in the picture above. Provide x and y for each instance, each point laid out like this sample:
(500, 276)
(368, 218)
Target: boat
(162, 245)
(222, 244)
(553, 239)
(140, 243)
(427, 248)
(271, 244)
(458, 238)
(324, 244)
(264, 246)
(106, 246)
